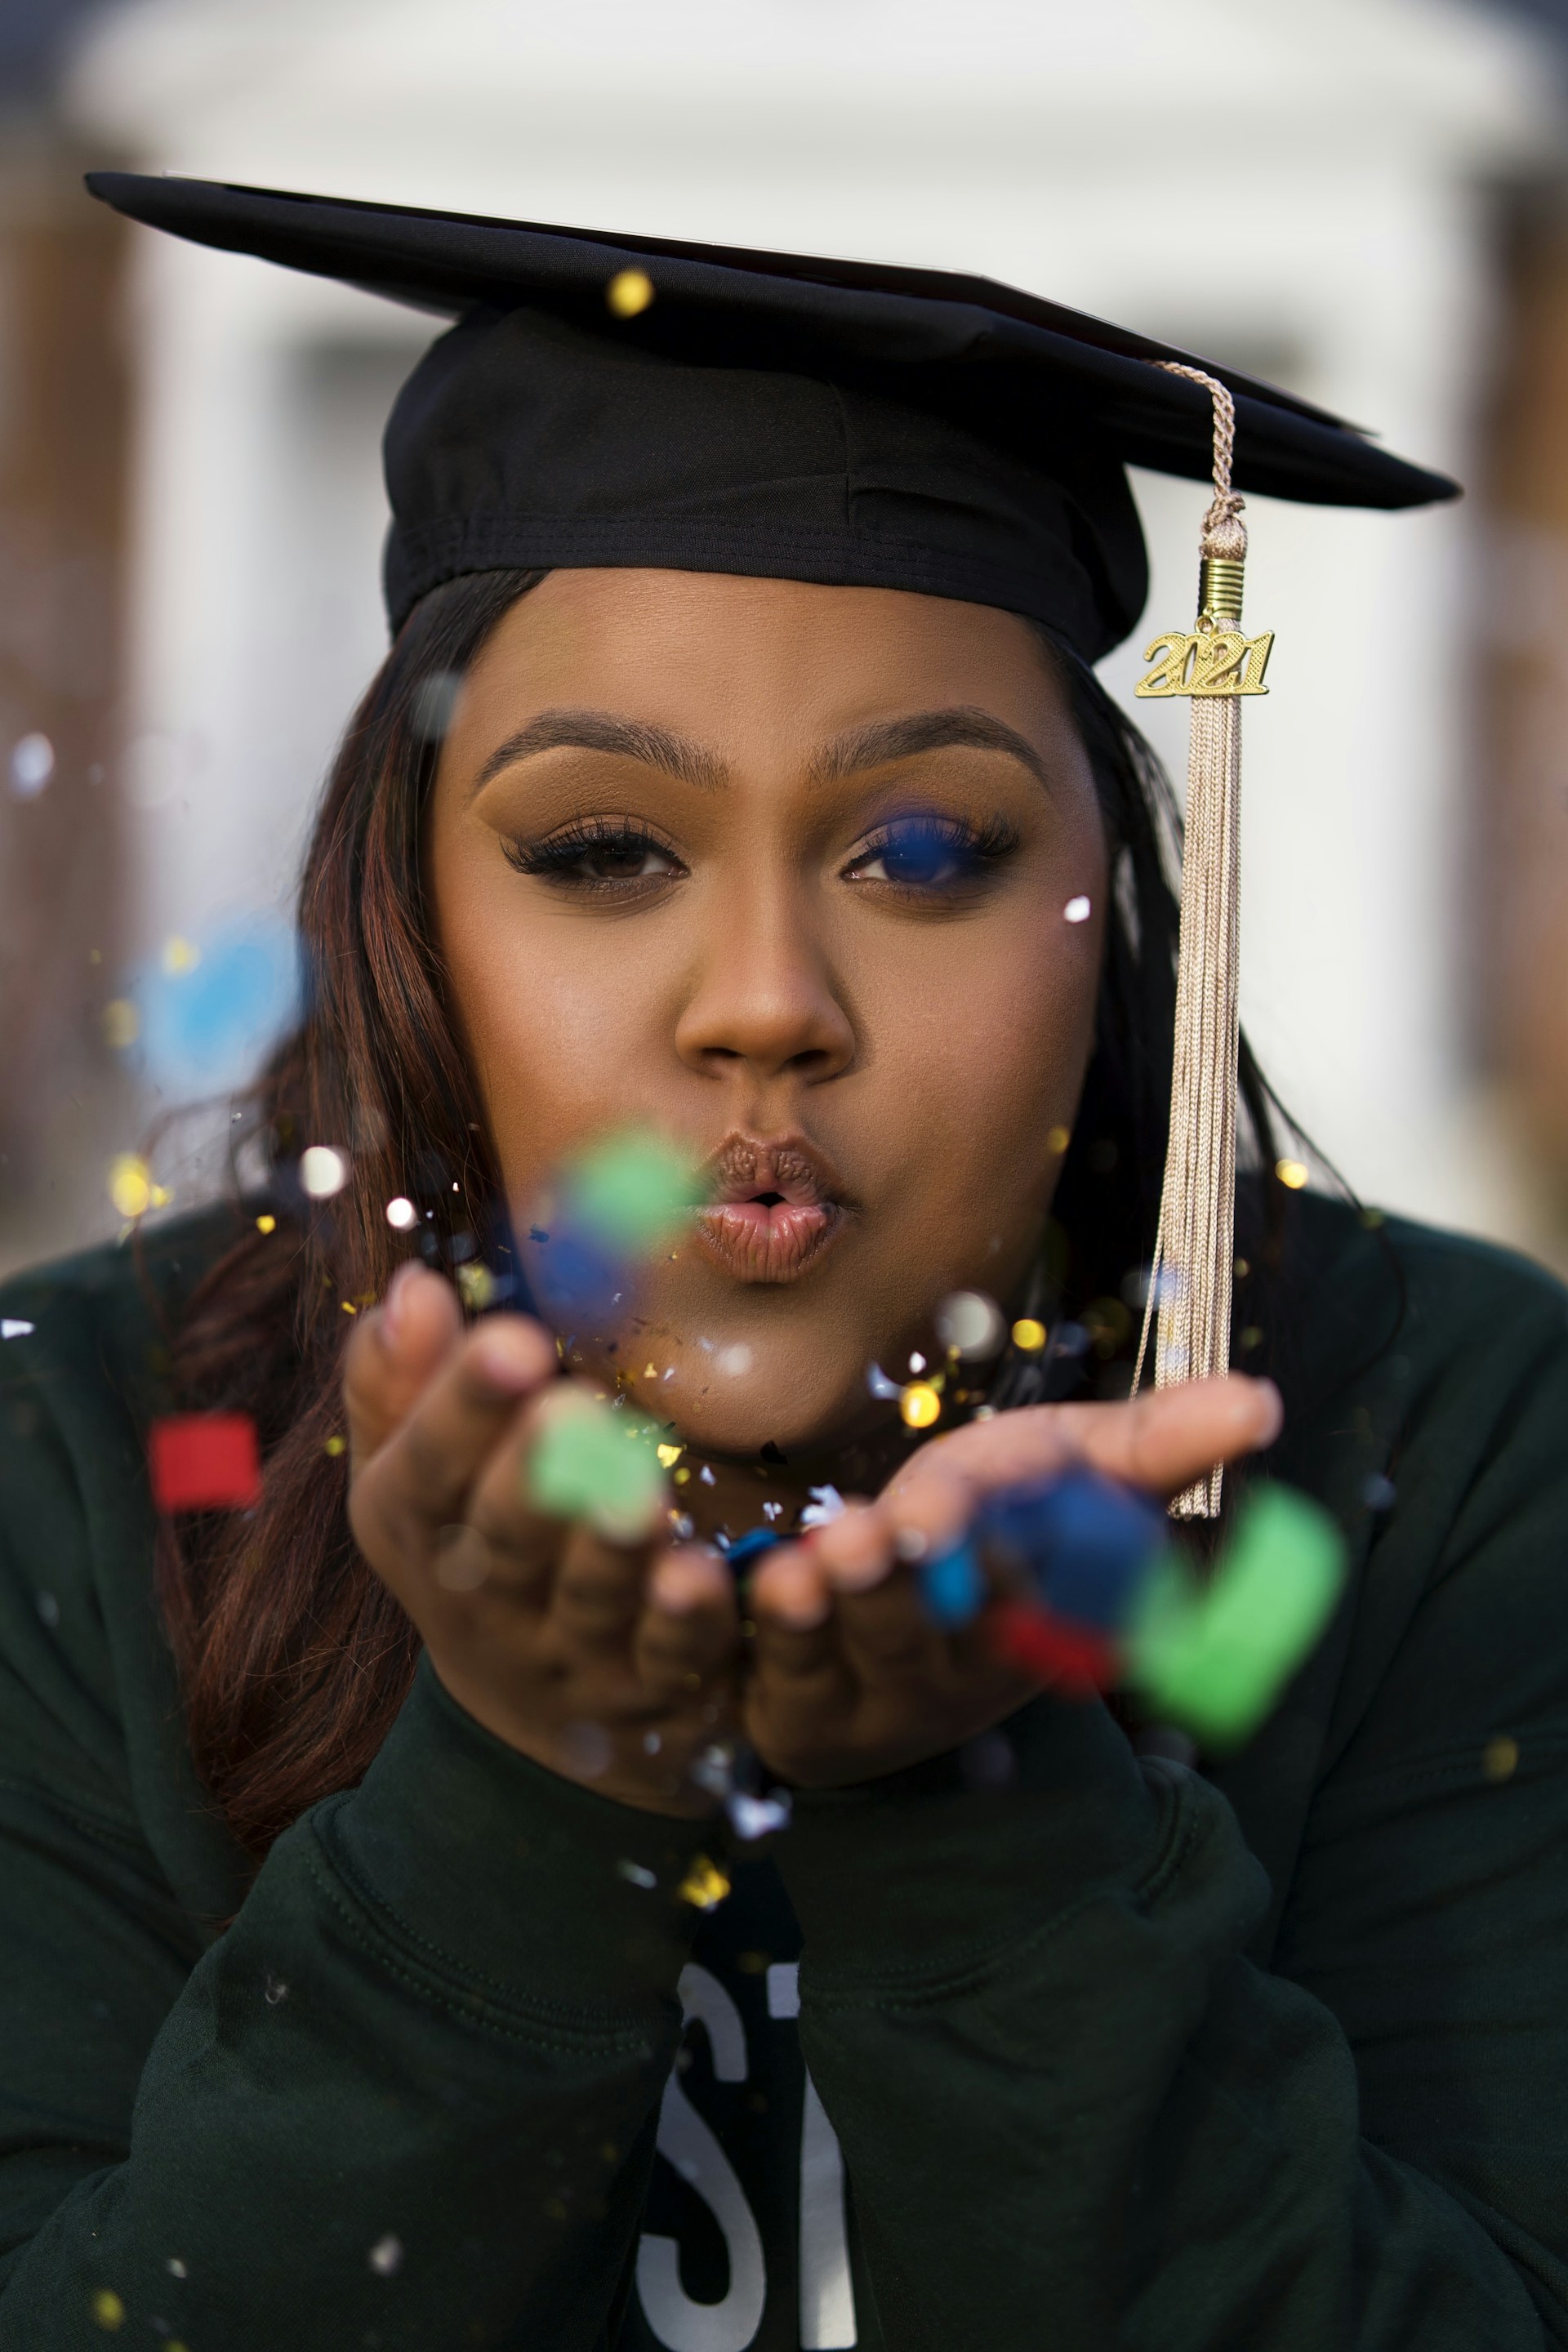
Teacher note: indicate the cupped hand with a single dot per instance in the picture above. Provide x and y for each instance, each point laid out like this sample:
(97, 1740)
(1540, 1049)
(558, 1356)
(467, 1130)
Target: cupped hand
(611, 1663)
(851, 1677)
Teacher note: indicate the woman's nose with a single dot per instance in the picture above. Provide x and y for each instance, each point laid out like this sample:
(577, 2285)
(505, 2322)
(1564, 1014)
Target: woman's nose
(767, 998)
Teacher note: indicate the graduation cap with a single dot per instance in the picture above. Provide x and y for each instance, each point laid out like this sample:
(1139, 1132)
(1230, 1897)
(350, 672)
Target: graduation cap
(613, 400)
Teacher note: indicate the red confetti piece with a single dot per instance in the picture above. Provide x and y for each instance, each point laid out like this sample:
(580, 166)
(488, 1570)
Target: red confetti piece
(204, 1462)
(1078, 1658)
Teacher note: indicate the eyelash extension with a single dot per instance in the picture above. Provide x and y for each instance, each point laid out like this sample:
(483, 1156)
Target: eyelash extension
(983, 844)
(564, 849)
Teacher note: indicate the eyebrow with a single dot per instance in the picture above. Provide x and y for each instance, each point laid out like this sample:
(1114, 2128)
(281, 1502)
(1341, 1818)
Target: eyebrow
(960, 728)
(596, 730)
(872, 746)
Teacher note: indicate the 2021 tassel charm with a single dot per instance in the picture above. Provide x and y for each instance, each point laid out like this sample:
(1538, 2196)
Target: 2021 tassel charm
(1214, 665)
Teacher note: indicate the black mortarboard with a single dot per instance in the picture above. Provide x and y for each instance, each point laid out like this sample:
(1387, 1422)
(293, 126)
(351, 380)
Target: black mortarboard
(830, 420)
(627, 400)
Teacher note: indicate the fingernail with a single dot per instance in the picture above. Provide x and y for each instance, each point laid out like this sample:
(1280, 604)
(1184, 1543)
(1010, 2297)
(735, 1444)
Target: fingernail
(800, 1608)
(790, 1591)
(507, 1360)
(394, 1304)
(1276, 1403)
(682, 1582)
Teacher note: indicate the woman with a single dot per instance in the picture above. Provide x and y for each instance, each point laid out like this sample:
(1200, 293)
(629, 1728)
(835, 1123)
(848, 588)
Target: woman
(362, 1850)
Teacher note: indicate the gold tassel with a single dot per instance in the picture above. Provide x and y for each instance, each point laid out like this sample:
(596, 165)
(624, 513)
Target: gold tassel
(1195, 1247)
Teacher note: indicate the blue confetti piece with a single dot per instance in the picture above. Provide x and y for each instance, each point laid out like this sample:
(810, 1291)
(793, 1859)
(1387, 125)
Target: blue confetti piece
(1086, 1543)
(952, 1586)
(207, 1023)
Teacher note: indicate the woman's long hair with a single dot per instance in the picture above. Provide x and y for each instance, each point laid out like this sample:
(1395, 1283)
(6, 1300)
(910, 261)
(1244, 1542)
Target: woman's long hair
(294, 1658)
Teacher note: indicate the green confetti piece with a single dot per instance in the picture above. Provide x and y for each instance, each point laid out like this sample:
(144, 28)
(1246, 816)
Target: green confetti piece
(630, 1193)
(1216, 1658)
(590, 1462)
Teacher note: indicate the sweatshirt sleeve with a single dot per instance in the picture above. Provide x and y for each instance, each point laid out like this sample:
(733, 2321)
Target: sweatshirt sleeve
(408, 2099)
(1074, 2112)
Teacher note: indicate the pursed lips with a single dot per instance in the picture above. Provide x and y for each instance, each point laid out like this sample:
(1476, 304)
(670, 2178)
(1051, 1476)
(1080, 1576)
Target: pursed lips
(776, 1207)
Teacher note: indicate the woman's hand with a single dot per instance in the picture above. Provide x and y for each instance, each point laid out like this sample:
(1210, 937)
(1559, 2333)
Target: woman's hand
(612, 1663)
(852, 1678)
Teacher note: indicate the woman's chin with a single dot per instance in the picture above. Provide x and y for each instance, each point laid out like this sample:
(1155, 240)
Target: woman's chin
(747, 1416)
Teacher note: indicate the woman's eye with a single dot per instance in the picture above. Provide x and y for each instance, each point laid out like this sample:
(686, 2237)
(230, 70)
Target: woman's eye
(926, 856)
(589, 859)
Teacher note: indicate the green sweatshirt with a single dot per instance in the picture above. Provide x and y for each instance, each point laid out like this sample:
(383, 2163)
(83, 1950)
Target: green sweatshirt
(1271, 2058)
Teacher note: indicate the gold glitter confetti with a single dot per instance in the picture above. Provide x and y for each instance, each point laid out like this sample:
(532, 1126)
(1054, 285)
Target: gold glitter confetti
(478, 1285)
(180, 955)
(919, 1405)
(1028, 1335)
(681, 1476)
(108, 2309)
(121, 1024)
(131, 1189)
(1499, 1757)
(704, 1885)
(669, 1455)
(267, 1224)
(1292, 1172)
(1058, 1140)
(336, 1445)
(629, 292)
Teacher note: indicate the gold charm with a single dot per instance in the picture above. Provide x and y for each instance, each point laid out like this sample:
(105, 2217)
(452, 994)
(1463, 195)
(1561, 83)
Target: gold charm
(1212, 661)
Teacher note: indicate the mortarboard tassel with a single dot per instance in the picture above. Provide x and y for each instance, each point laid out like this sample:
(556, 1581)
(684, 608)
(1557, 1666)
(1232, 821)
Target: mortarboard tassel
(1190, 1280)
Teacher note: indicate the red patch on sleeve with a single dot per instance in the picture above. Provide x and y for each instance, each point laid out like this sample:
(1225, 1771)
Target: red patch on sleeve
(204, 1462)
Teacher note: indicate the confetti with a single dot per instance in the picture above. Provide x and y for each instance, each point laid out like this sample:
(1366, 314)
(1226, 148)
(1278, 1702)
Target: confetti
(1057, 1139)
(755, 1817)
(952, 1586)
(31, 765)
(204, 1462)
(971, 1325)
(402, 1214)
(1028, 1335)
(1075, 1658)
(14, 1327)
(324, 1170)
(1292, 1173)
(121, 1024)
(704, 1885)
(1499, 1758)
(476, 1287)
(386, 2257)
(629, 292)
(635, 1873)
(267, 1224)
(108, 2309)
(336, 1445)
(590, 1462)
(825, 1505)
(630, 1193)
(1215, 1658)
(131, 1189)
(920, 1405)
(1076, 910)
(208, 1009)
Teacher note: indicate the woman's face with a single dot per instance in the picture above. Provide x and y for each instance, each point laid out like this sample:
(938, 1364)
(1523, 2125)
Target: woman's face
(784, 872)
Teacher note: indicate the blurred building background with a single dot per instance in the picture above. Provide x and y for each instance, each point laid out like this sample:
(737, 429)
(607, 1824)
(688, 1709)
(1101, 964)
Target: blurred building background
(1366, 201)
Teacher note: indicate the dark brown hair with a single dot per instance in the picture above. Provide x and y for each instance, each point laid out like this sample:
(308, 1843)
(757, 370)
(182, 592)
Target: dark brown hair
(294, 1658)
